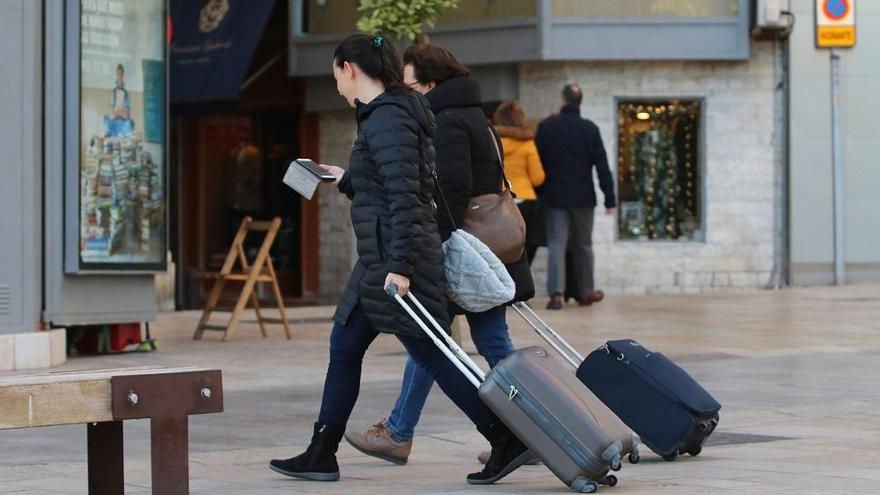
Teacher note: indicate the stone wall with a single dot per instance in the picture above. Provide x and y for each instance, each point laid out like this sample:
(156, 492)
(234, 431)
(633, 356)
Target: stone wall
(742, 138)
(337, 132)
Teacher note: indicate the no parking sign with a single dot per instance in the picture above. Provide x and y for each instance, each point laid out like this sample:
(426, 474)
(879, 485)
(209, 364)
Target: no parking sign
(835, 23)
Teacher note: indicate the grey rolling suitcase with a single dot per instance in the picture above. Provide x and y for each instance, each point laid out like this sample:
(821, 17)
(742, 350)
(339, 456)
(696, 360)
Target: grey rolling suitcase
(545, 405)
(610, 422)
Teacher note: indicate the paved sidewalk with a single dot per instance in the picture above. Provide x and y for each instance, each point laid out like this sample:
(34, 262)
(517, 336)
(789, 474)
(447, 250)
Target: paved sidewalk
(796, 372)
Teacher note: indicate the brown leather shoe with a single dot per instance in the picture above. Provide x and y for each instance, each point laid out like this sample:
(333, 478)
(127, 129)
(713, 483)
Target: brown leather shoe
(555, 301)
(377, 442)
(593, 297)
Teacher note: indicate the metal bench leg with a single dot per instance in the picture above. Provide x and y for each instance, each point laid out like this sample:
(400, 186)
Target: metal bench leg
(170, 455)
(106, 473)
(168, 400)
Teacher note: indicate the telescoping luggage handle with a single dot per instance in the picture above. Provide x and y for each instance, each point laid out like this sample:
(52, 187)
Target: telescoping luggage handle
(451, 349)
(567, 352)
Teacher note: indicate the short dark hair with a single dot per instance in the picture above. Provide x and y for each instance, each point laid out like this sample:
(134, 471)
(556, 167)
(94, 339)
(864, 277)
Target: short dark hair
(376, 57)
(433, 63)
(572, 94)
(120, 68)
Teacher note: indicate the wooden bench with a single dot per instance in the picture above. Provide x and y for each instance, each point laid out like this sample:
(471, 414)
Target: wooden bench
(103, 399)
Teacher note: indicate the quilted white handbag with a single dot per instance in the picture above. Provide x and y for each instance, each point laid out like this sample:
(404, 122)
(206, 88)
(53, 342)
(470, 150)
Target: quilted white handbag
(476, 279)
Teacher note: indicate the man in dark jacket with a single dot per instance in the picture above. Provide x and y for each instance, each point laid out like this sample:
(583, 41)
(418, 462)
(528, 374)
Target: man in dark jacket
(570, 146)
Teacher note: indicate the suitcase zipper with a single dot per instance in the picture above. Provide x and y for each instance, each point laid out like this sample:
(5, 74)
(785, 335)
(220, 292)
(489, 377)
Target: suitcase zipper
(550, 425)
(512, 393)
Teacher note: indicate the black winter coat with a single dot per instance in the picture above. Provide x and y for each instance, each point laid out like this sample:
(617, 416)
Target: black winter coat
(392, 213)
(467, 161)
(570, 147)
(467, 164)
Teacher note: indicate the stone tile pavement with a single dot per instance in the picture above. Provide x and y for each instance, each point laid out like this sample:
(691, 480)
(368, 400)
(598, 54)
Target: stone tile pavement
(796, 372)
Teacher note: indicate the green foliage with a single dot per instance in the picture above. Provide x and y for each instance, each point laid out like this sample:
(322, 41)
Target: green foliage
(400, 18)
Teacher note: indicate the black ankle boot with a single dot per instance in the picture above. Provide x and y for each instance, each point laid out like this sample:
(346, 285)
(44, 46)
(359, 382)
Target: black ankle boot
(508, 453)
(318, 462)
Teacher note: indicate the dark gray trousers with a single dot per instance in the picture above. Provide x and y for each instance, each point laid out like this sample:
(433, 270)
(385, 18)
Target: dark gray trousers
(576, 225)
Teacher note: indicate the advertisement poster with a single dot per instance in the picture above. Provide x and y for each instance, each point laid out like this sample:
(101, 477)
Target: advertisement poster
(122, 200)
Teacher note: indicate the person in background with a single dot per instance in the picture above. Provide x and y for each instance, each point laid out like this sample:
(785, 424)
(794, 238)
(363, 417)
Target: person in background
(389, 182)
(570, 147)
(467, 166)
(524, 170)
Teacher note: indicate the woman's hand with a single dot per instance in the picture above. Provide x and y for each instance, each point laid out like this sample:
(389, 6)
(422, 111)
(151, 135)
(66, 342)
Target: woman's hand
(337, 172)
(400, 281)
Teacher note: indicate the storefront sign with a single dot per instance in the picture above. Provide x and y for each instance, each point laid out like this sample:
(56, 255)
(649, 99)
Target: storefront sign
(122, 169)
(835, 23)
(212, 47)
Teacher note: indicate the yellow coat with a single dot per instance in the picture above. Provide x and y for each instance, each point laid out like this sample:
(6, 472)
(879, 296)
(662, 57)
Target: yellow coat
(521, 162)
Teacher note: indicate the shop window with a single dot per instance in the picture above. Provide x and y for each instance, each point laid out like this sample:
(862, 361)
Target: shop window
(659, 149)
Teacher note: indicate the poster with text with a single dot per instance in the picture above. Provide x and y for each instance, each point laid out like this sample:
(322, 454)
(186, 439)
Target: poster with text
(122, 193)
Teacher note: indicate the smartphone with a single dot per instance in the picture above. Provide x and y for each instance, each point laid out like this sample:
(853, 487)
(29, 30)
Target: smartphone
(313, 167)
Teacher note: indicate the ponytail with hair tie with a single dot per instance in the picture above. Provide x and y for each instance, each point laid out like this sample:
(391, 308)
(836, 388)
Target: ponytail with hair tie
(375, 57)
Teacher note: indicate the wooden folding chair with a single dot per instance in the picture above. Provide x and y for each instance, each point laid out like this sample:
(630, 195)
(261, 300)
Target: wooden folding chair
(261, 270)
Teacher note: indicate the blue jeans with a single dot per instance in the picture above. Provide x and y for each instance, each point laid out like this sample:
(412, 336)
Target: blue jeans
(491, 337)
(349, 343)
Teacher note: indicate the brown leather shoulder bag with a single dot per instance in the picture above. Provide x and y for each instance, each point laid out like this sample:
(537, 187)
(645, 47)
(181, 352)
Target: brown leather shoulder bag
(496, 220)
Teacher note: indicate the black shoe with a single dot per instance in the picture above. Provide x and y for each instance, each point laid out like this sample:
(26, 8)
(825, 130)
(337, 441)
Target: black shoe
(555, 301)
(508, 454)
(318, 462)
(483, 458)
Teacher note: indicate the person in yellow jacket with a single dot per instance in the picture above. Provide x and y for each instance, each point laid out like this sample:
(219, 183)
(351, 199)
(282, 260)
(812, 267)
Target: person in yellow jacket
(523, 168)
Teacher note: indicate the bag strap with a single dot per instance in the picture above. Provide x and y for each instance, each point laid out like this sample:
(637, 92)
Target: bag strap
(436, 183)
(443, 198)
(437, 180)
(500, 157)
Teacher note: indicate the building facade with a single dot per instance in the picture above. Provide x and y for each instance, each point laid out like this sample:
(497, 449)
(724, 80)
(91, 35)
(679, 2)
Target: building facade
(691, 109)
(811, 186)
(715, 114)
(734, 170)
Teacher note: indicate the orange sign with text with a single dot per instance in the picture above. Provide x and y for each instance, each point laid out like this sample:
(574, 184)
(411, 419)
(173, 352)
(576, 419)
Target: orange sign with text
(835, 23)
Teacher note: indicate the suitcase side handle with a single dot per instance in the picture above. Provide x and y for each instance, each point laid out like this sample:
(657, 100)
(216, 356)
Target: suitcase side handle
(455, 353)
(558, 343)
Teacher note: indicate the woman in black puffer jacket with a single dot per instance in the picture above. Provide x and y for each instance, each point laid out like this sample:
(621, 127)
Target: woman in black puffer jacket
(389, 182)
(467, 166)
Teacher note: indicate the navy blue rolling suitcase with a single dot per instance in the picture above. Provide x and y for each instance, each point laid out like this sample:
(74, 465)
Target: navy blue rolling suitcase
(667, 408)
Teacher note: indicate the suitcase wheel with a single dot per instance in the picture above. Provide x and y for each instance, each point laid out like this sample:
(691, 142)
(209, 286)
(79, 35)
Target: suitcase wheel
(615, 464)
(670, 457)
(609, 480)
(634, 458)
(584, 485)
(695, 451)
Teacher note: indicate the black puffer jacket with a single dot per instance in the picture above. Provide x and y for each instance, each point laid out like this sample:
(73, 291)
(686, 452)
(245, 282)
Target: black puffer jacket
(392, 212)
(467, 162)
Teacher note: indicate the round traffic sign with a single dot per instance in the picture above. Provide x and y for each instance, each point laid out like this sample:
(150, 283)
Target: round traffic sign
(836, 9)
